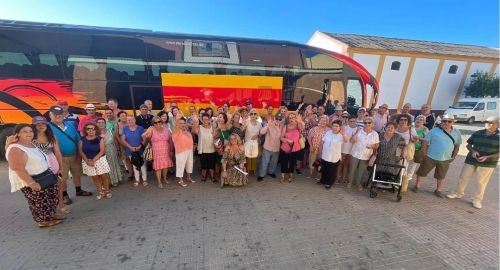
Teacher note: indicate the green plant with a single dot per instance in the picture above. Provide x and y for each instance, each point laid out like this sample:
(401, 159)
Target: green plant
(483, 85)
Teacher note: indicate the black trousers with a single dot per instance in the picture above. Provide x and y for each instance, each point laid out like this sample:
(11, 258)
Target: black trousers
(328, 172)
(288, 161)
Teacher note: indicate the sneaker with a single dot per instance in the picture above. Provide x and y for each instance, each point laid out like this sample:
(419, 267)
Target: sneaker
(328, 186)
(298, 171)
(67, 200)
(84, 193)
(272, 175)
(414, 189)
(438, 193)
(454, 196)
(260, 178)
(477, 204)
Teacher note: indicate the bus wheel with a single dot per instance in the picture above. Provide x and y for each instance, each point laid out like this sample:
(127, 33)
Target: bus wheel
(470, 121)
(6, 132)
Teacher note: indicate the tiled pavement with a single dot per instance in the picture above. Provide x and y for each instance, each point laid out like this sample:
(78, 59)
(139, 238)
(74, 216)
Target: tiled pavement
(265, 225)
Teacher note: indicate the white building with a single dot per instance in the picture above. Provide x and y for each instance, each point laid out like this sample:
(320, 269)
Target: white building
(413, 71)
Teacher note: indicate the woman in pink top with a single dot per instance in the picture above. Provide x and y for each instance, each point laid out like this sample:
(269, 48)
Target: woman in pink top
(290, 146)
(161, 144)
(183, 144)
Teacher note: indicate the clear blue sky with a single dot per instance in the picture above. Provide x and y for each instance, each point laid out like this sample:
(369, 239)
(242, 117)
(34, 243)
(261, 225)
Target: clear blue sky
(474, 22)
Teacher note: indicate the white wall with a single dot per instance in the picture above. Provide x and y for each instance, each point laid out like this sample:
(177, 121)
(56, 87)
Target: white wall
(447, 86)
(369, 61)
(421, 81)
(391, 81)
(321, 41)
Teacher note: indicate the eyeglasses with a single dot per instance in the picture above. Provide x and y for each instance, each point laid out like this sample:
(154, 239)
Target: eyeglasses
(447, 121)
(156, 122)
(253, 113)
(367, 123)
(90, 129)
(491, 123)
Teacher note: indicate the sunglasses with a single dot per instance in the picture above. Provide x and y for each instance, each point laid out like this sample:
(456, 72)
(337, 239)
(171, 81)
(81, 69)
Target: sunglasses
(156, 122)
(90, 129)
(367, 123)
(447, 121)
(253, 113)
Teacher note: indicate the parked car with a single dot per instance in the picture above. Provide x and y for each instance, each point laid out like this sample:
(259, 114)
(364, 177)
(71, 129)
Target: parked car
(472, 110)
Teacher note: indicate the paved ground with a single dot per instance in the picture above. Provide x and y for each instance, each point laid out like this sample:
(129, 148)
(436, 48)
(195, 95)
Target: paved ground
(263, 226)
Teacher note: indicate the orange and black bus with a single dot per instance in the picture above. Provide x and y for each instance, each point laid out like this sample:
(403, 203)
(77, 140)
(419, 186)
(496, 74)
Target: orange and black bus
(41, 63)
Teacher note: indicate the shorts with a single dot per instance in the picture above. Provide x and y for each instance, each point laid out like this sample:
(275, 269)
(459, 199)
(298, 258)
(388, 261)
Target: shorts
(71, 164)
(428, 164)
(207, 161)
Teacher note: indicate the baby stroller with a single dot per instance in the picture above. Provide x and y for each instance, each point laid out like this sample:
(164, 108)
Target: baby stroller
(388, 177)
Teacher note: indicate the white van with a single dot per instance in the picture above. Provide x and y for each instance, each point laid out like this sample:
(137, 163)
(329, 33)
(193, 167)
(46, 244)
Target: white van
(474, 109)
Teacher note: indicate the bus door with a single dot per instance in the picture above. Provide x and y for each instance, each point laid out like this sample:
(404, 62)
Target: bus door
(141, 93)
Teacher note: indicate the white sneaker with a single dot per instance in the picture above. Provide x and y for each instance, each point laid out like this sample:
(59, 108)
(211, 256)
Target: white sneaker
(454, 196)
(477, 204)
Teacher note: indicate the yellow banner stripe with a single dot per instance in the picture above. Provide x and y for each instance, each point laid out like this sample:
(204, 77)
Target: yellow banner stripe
(221, 81)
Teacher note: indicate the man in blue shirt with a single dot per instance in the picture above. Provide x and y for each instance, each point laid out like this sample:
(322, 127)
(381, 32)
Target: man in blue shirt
(441, 147)
(68, 137)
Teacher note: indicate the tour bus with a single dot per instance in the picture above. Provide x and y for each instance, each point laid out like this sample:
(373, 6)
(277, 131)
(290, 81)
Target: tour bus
(41, 63)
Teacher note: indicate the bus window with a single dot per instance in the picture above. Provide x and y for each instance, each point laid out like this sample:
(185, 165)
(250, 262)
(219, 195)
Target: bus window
(354, 96)
(85, 68)
(125, 69)
(32, 65)
(120, 47)
(316, 60)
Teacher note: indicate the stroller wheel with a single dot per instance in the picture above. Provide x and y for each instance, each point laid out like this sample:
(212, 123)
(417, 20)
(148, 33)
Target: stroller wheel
(399, 197)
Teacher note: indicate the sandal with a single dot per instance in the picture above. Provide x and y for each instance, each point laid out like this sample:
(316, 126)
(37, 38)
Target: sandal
(136, 183)
(182, 184)
(99, 196)
(160, 185)
(290, 179)
(145, 183)
(64, 210)
(191, 180)
(203, 178)
(45, 224)
(58, 217)
(214, 180)
(109, 195)
(282, 179)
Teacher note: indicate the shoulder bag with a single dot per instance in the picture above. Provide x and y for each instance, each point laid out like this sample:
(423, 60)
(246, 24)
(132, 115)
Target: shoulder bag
(410, 148)
(47, 178)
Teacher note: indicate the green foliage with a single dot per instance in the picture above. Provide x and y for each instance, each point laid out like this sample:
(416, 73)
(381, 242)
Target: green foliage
(482, 85)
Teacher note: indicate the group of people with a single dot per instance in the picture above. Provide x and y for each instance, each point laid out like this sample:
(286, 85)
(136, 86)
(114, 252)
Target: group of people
(228, 145)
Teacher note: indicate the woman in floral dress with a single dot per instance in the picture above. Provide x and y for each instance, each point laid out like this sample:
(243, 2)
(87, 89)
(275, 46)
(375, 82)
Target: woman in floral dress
(115, 173)
(234, 156)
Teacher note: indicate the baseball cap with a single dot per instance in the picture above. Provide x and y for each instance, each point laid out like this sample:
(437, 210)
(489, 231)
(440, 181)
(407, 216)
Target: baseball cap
(62, 103)
(39, 120)
(345, 113)
(361, 110)
(279, 117)
(248, 102)
(384, 106)
(448, 117)
(90, 106)
(339, 108)
(493, 119)
(56, 110)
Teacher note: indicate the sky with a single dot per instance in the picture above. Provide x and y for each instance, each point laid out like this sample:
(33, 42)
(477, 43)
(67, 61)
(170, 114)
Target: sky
(473, 22)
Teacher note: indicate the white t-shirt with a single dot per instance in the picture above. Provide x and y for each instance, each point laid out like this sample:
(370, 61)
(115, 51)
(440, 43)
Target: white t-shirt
(332, 146)
(346, 147)
(406, 135)
(364, 140)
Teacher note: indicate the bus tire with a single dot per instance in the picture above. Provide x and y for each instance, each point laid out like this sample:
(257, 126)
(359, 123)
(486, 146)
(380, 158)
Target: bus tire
(6, 132)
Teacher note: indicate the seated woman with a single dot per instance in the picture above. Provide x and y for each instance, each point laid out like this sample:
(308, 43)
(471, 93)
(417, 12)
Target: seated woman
(233, 158)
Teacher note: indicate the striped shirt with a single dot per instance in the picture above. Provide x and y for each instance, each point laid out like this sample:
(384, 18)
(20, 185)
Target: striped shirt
(486, 145)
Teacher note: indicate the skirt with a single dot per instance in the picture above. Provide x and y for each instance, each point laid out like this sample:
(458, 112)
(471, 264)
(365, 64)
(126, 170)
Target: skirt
(100, 167)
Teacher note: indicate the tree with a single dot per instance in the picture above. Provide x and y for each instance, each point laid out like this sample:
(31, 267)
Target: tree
(482, 85)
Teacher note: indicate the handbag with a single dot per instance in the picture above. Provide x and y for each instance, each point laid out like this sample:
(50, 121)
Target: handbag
(410, 148)
(251, 148)
(148, 152)
(46, 179)
(302, 142)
